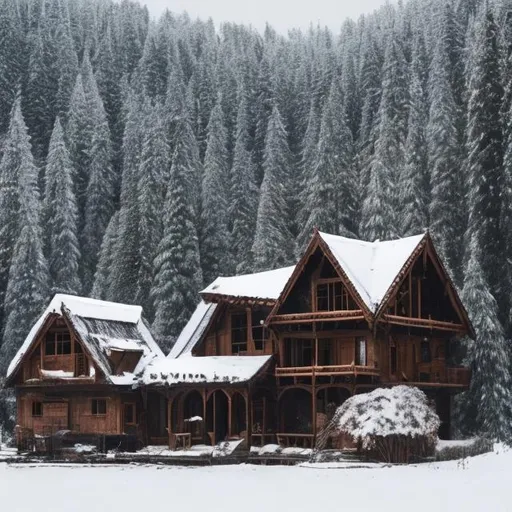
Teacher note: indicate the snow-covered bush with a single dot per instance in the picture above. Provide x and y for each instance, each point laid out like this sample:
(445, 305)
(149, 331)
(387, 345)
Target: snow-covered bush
(393, 425)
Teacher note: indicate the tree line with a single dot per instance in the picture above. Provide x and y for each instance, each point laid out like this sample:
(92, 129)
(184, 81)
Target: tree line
(142, 158)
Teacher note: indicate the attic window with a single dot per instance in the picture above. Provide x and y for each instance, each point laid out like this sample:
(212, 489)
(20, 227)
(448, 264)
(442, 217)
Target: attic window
(331, 295)
(98, 407)
(58, 344)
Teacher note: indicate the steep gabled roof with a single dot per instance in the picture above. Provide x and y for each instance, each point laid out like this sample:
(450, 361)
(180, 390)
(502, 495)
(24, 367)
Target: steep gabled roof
(102, 327)
(193, 332)
(263, 286)
(372, 267)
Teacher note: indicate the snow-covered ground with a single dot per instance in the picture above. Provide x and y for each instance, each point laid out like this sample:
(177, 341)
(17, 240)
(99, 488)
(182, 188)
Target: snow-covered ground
(478, 484)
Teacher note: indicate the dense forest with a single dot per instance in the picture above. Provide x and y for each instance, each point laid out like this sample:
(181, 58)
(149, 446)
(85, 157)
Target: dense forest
(142, 158)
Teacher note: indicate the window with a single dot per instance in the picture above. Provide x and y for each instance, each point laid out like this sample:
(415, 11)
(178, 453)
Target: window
(129, 414)
(238, 332)
(58, 344)
(331, 295)
(324, 352)
(98, 407)
(361, 353)
(426, 354)
(37, 409)
(259, 333)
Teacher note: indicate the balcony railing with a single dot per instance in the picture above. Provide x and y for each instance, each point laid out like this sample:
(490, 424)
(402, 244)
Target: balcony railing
(306, 371)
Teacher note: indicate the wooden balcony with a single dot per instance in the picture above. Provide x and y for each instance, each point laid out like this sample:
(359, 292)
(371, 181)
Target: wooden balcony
(437, 374)
(309, 371)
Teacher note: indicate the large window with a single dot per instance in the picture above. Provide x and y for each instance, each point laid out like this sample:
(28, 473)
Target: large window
(259, 333)
(238, 332)
(331, 295)
(98, 407)
(361, 352)
(58, 344)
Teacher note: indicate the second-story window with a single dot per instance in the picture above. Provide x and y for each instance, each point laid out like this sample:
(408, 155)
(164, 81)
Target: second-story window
(238, 332)
(259, 333)
(361, 352)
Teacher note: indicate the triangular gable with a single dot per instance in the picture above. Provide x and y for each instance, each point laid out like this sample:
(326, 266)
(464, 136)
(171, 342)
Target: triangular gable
(44, 324)
(427, 249)
(317, 242)
(371, 267)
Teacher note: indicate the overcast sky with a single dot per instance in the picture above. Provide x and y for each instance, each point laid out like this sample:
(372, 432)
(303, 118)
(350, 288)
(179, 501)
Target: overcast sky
(282, 14)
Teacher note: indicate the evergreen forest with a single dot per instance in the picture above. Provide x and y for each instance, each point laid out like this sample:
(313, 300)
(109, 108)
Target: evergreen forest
(141, 158)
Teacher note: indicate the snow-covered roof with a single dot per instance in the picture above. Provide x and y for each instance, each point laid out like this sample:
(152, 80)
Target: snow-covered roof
(263, 285)
(102, 327)
(204, 370)
(371, 267)
(193, 331)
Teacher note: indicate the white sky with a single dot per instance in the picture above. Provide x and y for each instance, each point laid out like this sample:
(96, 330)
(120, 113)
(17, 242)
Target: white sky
(281, 14)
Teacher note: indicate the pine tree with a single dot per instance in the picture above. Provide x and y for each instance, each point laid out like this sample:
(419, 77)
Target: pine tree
(414, 182)
(27, 286)
(487, 403)
(484, 147)
(11, 51)
(99, 195)
(102, 288)
(60, 215)
(243, 202)
(79, 134)
(126, 267)
(445, 205)
(378, 216)
(154, 165)
(17, 160)
(329, 203)
(214, 234)
(177, 267)
(273, 245)
(67, 62)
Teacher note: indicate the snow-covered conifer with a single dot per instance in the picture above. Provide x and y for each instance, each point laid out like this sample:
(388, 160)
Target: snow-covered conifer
(273, 245)
(178, 275)
(60, 216)
(214, 234)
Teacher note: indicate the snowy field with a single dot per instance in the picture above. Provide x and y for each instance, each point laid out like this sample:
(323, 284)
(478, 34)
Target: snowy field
(478, 484)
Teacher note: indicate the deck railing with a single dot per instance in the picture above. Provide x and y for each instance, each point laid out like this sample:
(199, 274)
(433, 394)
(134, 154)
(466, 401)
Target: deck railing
(346, 369)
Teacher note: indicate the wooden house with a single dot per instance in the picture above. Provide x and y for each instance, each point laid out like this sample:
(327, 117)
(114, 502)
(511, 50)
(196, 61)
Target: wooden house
(77, 369)
(266, 357)
(269, 356)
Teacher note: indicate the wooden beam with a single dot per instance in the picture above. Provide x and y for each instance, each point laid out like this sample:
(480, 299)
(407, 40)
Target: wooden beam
(321, 316)
(424, 322)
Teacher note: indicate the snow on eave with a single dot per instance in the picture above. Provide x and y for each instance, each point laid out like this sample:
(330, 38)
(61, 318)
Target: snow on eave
(74, 308)
(204, 370)
(194, 330)
(265, 286)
